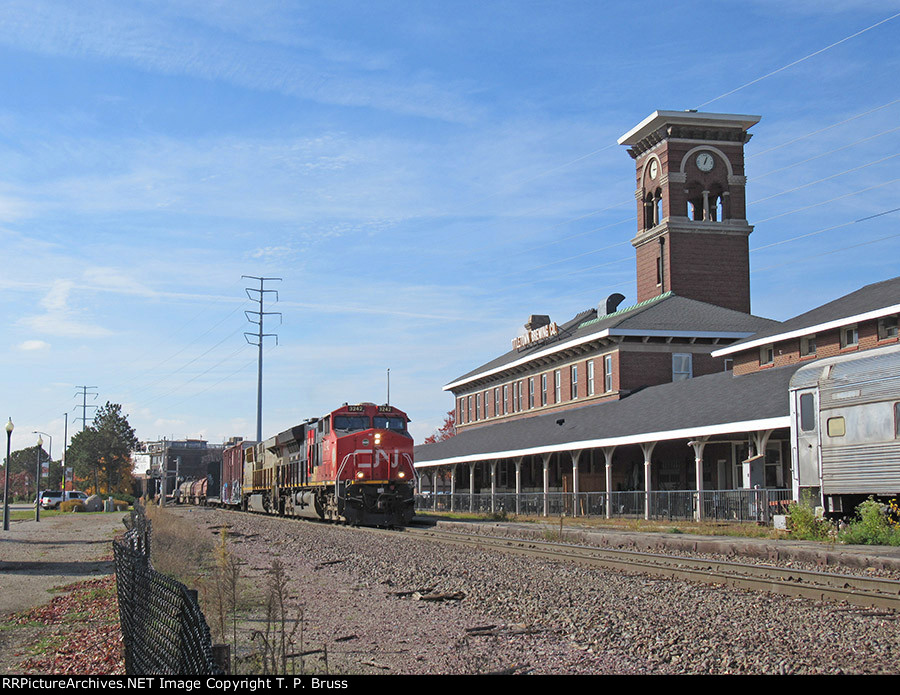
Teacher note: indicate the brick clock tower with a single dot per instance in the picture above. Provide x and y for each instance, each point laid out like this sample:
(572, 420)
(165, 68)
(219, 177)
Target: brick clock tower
(692, 233)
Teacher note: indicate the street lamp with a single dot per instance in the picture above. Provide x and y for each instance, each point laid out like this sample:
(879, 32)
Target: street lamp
(49, 453)
(37, 479)
(9, 431)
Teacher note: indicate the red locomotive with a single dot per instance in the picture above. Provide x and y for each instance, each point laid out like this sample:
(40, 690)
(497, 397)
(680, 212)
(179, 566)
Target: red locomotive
(354, 465)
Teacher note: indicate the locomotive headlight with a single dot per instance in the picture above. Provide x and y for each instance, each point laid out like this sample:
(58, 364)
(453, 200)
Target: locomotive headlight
(401, 474)
(378, 439)
(359, 475)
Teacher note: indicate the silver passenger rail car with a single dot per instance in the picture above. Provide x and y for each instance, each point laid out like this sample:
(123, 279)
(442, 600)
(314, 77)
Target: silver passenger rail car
(845, 429)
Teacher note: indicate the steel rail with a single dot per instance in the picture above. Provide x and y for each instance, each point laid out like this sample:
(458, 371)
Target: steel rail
(869, 592)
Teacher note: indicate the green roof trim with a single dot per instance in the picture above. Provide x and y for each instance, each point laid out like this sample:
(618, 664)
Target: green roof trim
(640, 305)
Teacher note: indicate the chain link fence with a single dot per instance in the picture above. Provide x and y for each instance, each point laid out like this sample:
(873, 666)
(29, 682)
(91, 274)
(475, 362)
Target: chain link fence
(163, 630)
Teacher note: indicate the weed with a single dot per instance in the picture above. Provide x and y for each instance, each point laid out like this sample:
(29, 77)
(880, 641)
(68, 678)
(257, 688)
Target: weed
(222, 592)
(276, 638)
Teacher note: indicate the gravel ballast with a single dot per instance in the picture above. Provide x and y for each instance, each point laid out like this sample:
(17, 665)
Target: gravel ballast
(364, 597)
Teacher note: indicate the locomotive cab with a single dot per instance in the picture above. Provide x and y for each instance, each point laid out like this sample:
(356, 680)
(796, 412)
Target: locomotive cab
(354, 464)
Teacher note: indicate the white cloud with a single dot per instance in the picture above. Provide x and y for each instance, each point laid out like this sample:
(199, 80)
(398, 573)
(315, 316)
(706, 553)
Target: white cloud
(34, 345)
(169, 45)
(60, 319)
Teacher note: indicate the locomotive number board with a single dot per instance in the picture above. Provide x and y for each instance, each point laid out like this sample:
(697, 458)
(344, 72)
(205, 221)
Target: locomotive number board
(385, 409)
(356, 408)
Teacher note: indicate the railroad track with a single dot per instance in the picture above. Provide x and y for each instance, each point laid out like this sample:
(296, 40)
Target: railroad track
(868, 592)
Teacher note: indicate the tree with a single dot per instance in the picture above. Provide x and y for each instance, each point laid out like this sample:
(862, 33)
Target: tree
(22, 466)
(103, 450)
(445, 431)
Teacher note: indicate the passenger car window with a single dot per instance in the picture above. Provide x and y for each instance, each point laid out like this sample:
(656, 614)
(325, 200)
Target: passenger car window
(807, 412)
(836, 427)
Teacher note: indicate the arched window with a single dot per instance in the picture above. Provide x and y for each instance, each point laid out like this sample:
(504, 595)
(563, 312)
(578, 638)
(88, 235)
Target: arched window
(694, 196)
(649, 211)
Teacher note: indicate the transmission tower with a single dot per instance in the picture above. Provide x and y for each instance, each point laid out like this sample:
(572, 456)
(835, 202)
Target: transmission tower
(261, 291)
(84, 393)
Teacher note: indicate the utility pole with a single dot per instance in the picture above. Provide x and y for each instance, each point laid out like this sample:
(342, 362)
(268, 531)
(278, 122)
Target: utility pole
(258, 336)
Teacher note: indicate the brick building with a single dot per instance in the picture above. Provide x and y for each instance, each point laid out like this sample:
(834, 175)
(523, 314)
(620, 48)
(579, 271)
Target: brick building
(644, 399)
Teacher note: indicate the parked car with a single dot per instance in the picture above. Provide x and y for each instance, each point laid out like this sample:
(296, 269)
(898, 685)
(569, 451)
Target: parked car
(51, 499)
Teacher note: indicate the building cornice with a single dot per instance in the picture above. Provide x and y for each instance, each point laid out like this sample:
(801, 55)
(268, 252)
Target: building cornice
(808, 330)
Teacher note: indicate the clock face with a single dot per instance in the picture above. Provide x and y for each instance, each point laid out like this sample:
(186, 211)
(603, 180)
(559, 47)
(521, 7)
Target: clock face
(654, 168)
(705, 161)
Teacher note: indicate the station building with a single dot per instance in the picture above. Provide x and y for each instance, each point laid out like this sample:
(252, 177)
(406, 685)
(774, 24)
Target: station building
(682, 391)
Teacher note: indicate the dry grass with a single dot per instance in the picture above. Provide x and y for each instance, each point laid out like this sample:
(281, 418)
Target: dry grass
(179, 549)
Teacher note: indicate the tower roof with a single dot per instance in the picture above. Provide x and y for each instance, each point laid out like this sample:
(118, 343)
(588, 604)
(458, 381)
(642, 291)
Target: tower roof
(657, 119)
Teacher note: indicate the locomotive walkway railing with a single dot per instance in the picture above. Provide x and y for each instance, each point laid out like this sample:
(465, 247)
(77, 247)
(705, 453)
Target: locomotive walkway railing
(163, 630)
(753, 505)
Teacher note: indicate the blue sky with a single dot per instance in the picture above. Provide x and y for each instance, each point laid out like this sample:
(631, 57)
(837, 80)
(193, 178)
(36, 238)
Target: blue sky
(422, 175)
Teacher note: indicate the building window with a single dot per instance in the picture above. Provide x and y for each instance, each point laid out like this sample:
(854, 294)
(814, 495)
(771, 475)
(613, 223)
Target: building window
(729, 364)
(477, 406)
(607, 374)
(557, 386)
(897, 420)
(808, 346)
(462, 413)
(496, 401)
(531, 393)
(543, 389)
(469, 408)
(515, 403)
(887, 327)
(849, 337)
(590, 378)
(766, 355)
(682, 366)
(521, 396)
(574, 381)
(505, 399)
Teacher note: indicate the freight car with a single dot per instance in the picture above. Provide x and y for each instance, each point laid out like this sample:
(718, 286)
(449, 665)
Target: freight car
(845, 429)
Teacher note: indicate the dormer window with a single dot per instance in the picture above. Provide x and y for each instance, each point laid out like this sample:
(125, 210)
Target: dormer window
(682, 367)
(808, 346)
(766, 355)
(849, 337)
(887, 328)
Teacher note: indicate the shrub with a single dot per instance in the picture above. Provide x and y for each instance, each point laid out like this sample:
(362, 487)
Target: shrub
(71, 506)
(804, 523)
(874, 525)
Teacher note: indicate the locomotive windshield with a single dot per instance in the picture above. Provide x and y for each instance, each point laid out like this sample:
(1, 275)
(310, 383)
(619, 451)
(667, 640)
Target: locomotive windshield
(397, 424)
(351, 423)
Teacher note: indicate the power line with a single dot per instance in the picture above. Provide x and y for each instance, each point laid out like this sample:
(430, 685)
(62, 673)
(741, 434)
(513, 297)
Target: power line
(827, 178)
(800, 60)
(749, 179)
